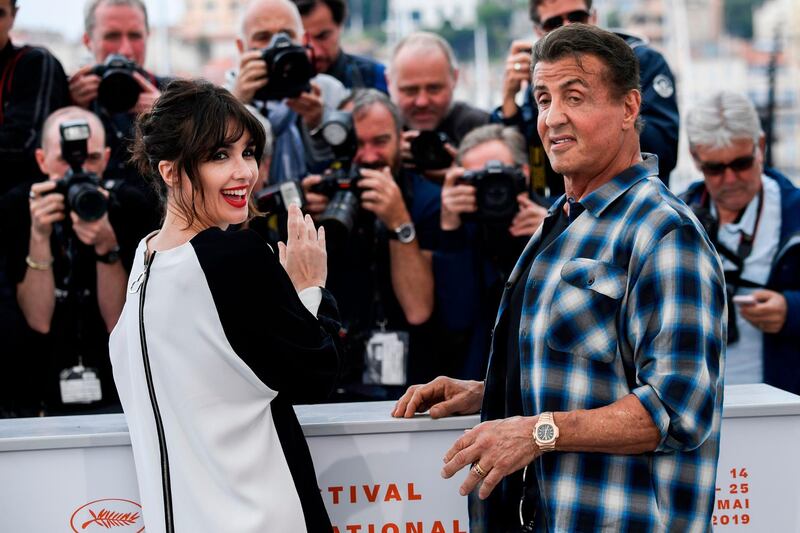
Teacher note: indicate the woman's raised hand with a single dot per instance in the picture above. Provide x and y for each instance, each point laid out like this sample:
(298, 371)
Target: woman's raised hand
(304, 256)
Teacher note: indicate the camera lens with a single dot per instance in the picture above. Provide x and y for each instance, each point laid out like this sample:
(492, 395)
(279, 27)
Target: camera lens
(118, 90)
(339, 217)
(87, 201)
(496, 197)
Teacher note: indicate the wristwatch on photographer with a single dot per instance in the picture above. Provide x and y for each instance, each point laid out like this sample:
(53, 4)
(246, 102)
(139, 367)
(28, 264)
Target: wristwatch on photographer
(545, 432)
(110, 257)
(405, 233)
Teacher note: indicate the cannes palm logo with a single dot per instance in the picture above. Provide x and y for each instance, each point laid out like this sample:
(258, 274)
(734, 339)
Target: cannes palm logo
(122, 516)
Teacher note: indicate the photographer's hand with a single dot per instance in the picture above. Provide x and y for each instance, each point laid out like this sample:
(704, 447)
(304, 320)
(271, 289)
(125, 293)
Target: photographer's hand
(304, 256)
(252, 76)
(46, 208)
(83, 86)
(382, 196)
(315, 202)
(405, 148)
(768, 313)
(97, 233)
(148, 95)
(529, 217)
(517, 71)
(457, 198)
(309, 106)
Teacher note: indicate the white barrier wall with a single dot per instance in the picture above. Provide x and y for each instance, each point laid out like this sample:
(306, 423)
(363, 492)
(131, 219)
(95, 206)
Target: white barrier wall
(377, 474)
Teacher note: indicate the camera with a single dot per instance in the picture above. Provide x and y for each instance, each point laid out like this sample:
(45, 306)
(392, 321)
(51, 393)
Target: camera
(80, 188)
(496, 189)
(277, 198)
(118, 89)
(340, 182)
(428, 151)
(288, 69)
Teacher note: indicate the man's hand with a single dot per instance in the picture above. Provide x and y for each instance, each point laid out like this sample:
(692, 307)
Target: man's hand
(252, 76)
(768, 313)
(405, 147)
(500, 447)
(382, 196)
(303, 256)
(83, 86)
(309, 106)
(517, 71)
(97, 233)
(148, 95)
(442, 397)
(528, 219)
(457, 198)
(315, 202)
(45, 209)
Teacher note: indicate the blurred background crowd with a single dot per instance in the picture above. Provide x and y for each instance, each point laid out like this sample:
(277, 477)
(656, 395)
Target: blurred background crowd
(408, 129)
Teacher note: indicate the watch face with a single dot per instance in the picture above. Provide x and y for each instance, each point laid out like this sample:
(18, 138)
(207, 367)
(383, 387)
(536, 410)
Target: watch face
(545, 432)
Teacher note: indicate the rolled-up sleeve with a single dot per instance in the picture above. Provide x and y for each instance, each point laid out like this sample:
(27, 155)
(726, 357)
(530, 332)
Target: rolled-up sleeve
(676, 318)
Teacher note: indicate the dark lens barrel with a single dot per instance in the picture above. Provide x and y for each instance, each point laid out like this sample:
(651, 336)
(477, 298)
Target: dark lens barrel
(87, 201)
(339, 218)
(118, 90)
(497, 197)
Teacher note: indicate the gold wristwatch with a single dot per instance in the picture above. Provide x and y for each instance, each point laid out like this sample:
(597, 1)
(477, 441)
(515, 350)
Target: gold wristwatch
(545, 433)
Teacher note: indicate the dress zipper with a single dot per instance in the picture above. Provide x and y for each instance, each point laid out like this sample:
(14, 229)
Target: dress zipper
(162, 443)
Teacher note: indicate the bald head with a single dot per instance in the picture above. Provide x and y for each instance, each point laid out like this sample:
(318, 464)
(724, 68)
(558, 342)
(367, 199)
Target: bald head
(261, 19)
(49, 155)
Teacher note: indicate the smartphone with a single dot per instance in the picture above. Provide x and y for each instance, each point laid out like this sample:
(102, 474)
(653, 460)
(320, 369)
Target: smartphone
(744, 299)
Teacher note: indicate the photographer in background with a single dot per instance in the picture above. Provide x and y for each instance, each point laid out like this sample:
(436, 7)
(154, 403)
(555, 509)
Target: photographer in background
(68, 249)
(293, 99)
(422, 77)
(323, 21)
(752, 215)
(116, 88)
(33, 85)
(488, 215)
(659, 113)
(381, 275)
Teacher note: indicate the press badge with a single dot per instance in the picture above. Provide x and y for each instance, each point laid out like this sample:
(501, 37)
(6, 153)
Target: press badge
(385, 358)
(80, 385)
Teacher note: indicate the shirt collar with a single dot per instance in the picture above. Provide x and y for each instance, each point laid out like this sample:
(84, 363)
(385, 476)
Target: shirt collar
(596, 201)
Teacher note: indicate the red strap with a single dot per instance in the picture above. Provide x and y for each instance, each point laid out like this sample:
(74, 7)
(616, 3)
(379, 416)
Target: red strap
(8, 76)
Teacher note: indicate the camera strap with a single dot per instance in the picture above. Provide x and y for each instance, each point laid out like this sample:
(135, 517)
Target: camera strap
(7, 77)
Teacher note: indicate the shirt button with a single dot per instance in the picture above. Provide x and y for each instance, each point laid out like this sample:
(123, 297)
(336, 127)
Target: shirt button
(508, 284)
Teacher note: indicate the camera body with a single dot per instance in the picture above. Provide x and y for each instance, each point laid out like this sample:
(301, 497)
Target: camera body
(80, 188)
(288, 69)
(496, 189)
(428, 151)
(118, 90)
(277, 198)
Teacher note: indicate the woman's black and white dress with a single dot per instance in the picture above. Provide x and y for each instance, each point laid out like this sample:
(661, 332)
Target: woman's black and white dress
(212, 348)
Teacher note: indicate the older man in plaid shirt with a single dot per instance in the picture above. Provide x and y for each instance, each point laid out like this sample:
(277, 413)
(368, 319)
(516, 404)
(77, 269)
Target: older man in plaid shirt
(603, 400)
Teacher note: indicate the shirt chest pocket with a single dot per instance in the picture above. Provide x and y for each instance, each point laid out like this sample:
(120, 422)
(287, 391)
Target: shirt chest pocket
(583, 312)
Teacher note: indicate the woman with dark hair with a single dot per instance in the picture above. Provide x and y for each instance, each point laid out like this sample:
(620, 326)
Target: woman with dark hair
(219, 335)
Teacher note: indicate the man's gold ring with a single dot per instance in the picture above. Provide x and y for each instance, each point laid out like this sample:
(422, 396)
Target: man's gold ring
(517, 66)
(476, 467)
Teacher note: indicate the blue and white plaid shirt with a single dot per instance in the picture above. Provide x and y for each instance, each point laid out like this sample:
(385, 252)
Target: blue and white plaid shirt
(628, 299)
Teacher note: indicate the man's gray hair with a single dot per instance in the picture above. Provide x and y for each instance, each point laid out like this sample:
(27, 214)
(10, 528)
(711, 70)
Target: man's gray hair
(89, 20)
(425, 39)
(717, 120)
(364, 99)
(510, 137)
(298, 22)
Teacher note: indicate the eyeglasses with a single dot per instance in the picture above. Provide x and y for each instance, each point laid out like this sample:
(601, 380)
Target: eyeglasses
(740, 164)
(579, 15)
